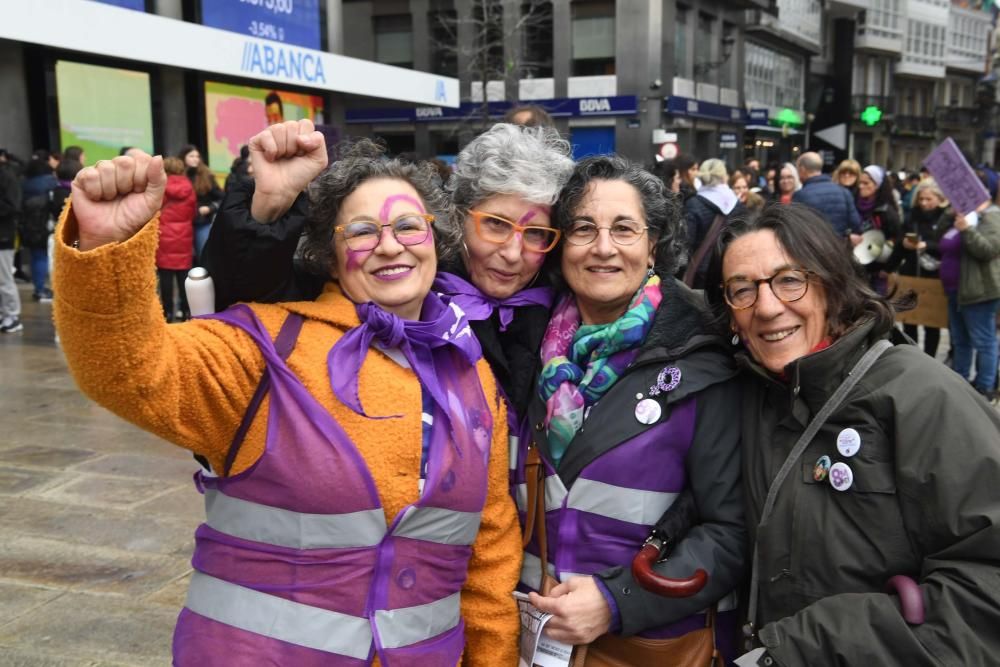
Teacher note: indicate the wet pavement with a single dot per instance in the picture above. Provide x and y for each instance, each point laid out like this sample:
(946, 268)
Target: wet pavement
(96, 518)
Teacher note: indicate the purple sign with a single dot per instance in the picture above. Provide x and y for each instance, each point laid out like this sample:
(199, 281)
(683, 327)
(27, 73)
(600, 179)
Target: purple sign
(956, 178)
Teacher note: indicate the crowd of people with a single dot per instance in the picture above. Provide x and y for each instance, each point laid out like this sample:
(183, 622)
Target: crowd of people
(424, 390)
(32, 195)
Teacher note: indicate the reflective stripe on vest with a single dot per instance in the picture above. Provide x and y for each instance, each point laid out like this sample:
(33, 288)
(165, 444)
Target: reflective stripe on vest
(513, 443)
(555, 494)
(617, 502)
(409, 625)
(315, 628)
(296, 530)
(278, 618)
(531, 571)
(436, 524)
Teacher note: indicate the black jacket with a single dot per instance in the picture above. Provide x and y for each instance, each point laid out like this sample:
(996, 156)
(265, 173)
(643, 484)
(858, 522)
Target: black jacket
(10, 206)
(699, 213)
(923, 503)
(680, 336)
(929, 227)
(250, 261)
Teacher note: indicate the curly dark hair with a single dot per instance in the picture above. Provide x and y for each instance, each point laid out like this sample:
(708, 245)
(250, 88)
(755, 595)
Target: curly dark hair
(661, 207)
(363, 160)
(808, 239)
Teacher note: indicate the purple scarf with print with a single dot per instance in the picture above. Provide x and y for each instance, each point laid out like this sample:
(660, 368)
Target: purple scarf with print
(440, 326)
(478, 306)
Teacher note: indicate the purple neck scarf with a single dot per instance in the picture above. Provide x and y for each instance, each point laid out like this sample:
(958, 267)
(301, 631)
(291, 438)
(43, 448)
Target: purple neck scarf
(478, 306)
(440, 326)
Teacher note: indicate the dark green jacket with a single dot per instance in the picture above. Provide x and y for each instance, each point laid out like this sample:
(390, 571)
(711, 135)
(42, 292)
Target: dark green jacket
(980, 280)
(924, 503)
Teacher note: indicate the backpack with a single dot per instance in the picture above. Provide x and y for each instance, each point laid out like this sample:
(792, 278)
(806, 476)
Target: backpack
(36, 221)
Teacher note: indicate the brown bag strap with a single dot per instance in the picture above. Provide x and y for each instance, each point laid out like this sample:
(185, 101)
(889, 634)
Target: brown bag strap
(706, 245)
(533, 476)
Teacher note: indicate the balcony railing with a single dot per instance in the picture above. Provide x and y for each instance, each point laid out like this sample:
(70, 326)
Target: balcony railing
(915, 125)
(958, 117)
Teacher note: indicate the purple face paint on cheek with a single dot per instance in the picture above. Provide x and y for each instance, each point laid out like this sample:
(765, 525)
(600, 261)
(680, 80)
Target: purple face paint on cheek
(392, 199)
(355, 258)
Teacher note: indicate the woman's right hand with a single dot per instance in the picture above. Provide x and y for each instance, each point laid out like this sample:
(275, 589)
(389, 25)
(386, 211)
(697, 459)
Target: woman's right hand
(286, 157)
(115, 198)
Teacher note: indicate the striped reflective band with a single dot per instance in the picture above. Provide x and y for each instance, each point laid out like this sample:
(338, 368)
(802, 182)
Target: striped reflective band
(435, 524)
(513, 442)
(296, 530)
(555, 493)
(531, 571)
(278, 618)
(409, 625)
(618, 502)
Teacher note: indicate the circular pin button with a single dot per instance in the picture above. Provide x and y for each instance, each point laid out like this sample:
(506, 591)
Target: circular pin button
(848, 442)
(822, 468)
(648, 411)
(406, 578)
(841, 476)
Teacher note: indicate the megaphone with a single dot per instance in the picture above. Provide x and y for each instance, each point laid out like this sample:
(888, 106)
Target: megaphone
(873, 248)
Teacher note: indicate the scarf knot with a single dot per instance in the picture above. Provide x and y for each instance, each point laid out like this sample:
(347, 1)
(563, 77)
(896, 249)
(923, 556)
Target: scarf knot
(442, 326)
(387, 328)
(479, 306)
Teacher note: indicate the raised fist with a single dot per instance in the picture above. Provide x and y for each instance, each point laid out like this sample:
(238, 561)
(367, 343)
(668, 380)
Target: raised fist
(115, 198)
(285, 158)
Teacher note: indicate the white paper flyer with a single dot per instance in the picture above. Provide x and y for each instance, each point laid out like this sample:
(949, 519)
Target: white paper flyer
(537, 650)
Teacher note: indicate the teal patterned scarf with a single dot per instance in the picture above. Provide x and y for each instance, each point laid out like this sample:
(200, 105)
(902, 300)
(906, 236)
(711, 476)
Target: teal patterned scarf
(582, 361)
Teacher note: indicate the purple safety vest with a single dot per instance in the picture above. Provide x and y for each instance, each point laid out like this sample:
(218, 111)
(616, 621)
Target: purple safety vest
(294, 564)
(602, 520)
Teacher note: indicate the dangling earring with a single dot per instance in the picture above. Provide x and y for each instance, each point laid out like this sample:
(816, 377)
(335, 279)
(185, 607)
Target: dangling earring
(736, 339)
(650, 273)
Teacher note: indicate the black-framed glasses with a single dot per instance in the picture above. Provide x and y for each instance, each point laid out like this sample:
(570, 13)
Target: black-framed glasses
(408, 229)
(788, 285)
(622, 232)
(497, 229)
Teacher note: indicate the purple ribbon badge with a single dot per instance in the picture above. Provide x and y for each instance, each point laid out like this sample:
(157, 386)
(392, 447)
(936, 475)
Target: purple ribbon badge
(662, 385)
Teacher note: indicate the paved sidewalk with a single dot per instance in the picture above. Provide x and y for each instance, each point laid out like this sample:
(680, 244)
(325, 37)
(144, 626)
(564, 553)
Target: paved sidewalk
(96, 518)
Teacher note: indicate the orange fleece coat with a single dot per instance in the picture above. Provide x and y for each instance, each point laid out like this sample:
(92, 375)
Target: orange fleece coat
(191, 383)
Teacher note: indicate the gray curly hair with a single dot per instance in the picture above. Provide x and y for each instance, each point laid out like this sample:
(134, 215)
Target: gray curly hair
(529, 162)
(361, 161)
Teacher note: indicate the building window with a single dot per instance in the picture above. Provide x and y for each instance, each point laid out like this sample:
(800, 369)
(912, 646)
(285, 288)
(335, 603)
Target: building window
(703, 41)
(681, 64)
(394, 40)
(443, 26)
(882, 20)
(488, 61)
(536, 40)
(727, 71)
(772, 79)
(924, 43)
(593, 38)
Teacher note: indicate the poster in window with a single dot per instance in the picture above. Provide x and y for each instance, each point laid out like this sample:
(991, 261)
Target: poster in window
(102, 109)
(235, 113)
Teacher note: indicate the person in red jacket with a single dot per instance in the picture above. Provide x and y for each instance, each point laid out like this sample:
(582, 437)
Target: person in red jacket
(175, 253)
